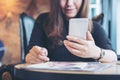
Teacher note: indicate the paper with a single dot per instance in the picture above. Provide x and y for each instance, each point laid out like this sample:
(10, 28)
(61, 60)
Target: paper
(58, 65)
(68, 66)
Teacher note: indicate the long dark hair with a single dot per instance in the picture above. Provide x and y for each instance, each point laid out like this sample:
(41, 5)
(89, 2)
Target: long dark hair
(55, 24)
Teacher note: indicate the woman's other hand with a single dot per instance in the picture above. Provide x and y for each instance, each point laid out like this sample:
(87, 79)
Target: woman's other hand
(37, 55)
(83, 48)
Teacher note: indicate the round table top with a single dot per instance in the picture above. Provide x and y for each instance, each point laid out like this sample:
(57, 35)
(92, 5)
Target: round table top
(113, 69)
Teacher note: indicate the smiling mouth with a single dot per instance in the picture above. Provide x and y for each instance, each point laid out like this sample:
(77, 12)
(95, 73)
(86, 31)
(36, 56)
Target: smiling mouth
(70, 10)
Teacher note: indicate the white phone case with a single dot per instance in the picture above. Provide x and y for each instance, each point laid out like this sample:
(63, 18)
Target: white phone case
(78, 27)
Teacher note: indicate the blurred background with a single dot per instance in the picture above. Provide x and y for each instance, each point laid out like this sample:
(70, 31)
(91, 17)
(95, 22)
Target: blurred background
(106, 12)
(110, 20)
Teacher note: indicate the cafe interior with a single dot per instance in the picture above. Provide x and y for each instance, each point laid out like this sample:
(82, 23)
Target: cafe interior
(17, 19)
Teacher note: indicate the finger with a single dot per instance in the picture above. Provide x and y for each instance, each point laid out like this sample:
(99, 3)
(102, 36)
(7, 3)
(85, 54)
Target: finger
(74, 51)
(33, 53)
(35, 62)
(89, 36)
(39, 50)
(77, 40)
(32, 59)
(34, 56)
(73, 45)
(45, 51)
(38, 56)
(43, 58)
(38, 61)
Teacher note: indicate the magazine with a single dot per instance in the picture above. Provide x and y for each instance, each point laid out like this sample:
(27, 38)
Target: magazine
(68, 66)
(59, 65)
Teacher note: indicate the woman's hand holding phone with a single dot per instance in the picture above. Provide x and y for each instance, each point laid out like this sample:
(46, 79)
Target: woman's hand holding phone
(80, 41)
(82, 48)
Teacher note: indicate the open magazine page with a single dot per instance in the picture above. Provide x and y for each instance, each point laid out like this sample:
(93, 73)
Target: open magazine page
(68, 66)
(59, 65)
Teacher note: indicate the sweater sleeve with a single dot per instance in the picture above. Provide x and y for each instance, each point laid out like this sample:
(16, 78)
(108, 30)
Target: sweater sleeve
(38, 36)
(100, 37)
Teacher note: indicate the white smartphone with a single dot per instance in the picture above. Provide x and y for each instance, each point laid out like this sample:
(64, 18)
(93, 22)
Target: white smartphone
(78, 27)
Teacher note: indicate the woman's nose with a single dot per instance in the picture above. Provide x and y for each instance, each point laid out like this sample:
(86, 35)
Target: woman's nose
(70, 2)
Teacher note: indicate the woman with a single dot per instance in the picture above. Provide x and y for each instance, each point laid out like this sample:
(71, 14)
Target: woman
(49, 40)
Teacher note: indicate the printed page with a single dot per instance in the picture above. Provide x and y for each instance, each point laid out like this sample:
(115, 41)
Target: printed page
(59, 65)
(68, 66)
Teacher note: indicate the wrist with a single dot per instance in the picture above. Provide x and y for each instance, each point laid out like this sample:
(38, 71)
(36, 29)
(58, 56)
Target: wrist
(97, 52)
(101, 54)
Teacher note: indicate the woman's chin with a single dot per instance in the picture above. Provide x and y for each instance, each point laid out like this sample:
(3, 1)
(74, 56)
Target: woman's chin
(70, 15)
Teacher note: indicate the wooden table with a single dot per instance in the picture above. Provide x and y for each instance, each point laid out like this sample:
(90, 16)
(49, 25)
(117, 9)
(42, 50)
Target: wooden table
(112, 73)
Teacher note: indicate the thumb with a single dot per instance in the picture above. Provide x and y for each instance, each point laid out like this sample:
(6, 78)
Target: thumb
(45, 51)
(89, 36)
